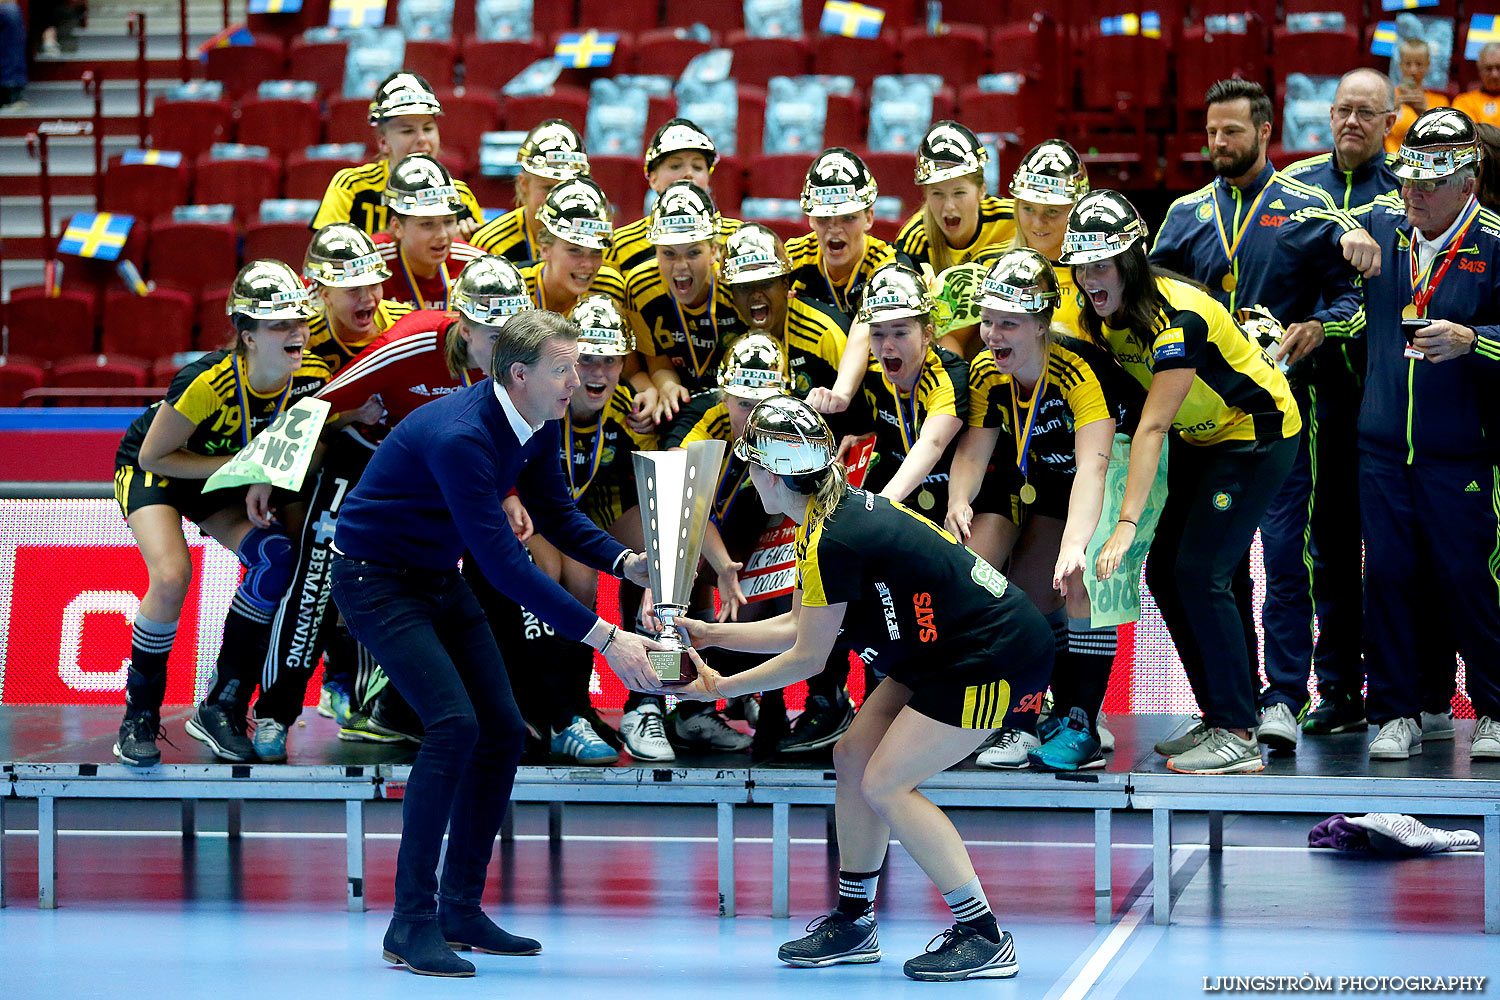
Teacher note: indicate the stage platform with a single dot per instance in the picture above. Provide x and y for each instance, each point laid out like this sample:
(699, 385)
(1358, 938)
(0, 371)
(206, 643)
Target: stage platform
(53, 753)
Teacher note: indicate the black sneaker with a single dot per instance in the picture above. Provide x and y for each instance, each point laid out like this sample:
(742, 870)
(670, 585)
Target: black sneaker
(136, 744)
(1336, 715)
(964, 954)
(820, 725)
(223, 729)
(834, 939)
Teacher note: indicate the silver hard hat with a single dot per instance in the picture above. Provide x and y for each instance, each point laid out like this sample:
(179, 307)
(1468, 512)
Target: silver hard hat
(838, 183)
(949, 150)
(1051, 174)
(554, 149)
(421, 186)
(679, 135)
(490, 291)
(578, 211)
(602, 329)
(753, 253)
(685, 213)
(343, 256)
(403, 93)
(1102, 225)
(786, 437)
(1439, 143)
(752, 368)
(894, 291)
(1020, 280)
(269, 289)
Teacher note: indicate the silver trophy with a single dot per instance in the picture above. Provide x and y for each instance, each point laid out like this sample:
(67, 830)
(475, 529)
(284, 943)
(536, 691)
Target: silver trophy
(676, 490)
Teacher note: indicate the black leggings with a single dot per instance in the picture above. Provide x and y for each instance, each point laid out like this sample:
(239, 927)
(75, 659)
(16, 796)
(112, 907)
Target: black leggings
(1216, 496)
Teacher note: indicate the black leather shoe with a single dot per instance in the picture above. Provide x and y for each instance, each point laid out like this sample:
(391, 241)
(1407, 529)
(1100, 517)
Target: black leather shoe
(474, 931)
(418, 946)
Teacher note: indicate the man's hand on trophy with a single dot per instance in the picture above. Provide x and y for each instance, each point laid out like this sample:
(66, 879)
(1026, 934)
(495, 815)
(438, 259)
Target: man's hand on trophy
(626, 656)
(731, 597)
(705, 687)
(636, 570)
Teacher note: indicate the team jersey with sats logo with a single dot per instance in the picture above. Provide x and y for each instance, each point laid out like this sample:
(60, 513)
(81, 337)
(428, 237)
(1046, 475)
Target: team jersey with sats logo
(597, 461)
(1238, 394)
(1083, 385)
(810, 278)
(607, 282)
(705, 418)
(355, 193)
(630, 248)
(658, 321)
(943, 388)
(407, 287)
(215, 394)
(918, 601)
(405, 367)
(997, 228)
(337, 352)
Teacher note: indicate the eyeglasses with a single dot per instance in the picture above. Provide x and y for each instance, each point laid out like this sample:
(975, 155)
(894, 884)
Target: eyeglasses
(1425, 187)
(1366, 116)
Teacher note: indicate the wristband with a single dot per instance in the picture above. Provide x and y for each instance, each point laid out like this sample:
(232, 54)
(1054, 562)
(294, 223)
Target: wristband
(612, 630)
(1126, 520)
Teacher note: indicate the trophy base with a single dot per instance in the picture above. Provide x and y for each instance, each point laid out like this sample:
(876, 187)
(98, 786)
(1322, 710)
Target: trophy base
(672, 667)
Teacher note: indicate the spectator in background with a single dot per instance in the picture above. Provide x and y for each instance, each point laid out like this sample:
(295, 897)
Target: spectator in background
(1411, 97)
(1482, 104)
(1489, 166)
(12, 56)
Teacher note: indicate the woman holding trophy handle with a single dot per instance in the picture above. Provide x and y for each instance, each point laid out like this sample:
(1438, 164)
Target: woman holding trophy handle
(958, 647)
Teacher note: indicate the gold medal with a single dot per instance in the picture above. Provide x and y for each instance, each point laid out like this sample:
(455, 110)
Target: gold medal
(925, 499)
(1028, 494)
(1411, 312)
(1229, 282)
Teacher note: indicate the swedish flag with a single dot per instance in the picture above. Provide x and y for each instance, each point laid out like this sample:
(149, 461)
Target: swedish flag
(1384, 41)
(1146, 24)
(355, 13)
(1406, 4)
(1483, 29)
(273, 6)
(164, 157)
(852, 20)
(235, 34)
(586, 49)
(100, 235)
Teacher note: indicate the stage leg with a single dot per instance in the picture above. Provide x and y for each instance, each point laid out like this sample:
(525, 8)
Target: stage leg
(1216, 832)
(189, 819)
(46, 852)
(726, 859)
(232, 826)
(1102, 867)
(554, 822)
(1161, 865)
(354, 853)
(508, 825)
(2, 851)
(1492, 873)
(781, 849)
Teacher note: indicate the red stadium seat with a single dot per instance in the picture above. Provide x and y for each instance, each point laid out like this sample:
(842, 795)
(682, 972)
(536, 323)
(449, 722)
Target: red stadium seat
(756, 60)
(241, 183)
(50, 328)
(728, 185)
(431, 59)
(491, 65)
(787, 229)
(162, 370)
(283, 126)
(190, 127)
(778, 175)
(212, 330)
(571, 104)
(1034, 47)
(1324, 53)
(465, 119)
(659, 110)
(320, 62)
(666, 51)
(720, 17)
(285, 241)
(1203, 59)
(549, 18)
(493, 192)
(959, 54)
(1026, 113)
(242, 68)
(148, 325)
(144, 190)
(349, 121)
(862, 58)
(893, 173)
(887, 230)
(1125, 161)
(752, 120)
(19, 372)
(624, 181)
(309, 178)
(191, 256)
(617, 15)
(1353, 10)
(845, 121)
(1123, 71)
(101, 371)
(1188, 167)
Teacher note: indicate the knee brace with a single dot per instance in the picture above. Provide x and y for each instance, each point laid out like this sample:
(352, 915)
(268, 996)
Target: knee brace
(269, 560)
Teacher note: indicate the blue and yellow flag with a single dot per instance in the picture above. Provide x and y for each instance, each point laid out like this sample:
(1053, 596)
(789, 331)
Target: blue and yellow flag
(163, 157)
(1406, 4)
(99, 235)
(1146, 24)
(235, 34)
(355, 13)
(1483, 29)
(852, 20)
(273, 6)
(131, 275)
(585, 50)
(1383, 43)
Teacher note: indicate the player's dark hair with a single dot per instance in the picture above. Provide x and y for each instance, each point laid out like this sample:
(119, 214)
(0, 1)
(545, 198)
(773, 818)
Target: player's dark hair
(1234, 89)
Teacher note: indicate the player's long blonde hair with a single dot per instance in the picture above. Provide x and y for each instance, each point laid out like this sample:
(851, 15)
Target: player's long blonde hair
(830, 491)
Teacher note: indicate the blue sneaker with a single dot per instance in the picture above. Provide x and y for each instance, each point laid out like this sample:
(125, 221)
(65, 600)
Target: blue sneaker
(270, 741)
(333, 702)
(581, 745)
(1071, 748)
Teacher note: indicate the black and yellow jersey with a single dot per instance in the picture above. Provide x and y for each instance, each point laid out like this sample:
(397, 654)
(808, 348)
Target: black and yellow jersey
(658, 320)
(997, 229)
(811, 281)
(215, 395)
(943, 388)
(1083, 385)
(596, 458)
(630, 249)
(508, 236)
(924, 605)
(706, 418)
(336, 353)
(1069, 311)
(812, 342)
(1238, 393)
(608, 282)
(355, 193)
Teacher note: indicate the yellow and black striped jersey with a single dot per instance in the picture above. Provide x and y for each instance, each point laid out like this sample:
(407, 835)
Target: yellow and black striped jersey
(596, 458)
(335, 352)
(943, 388)
(508, 236)
(1238, 393)
(630, 249)
(608, 282)
(658, 321)
(811, 281)
(355, 193)
(1069, 311)
(706, 418)
(812, 342)
(1083, 385)
(997, 228)
(214, 393)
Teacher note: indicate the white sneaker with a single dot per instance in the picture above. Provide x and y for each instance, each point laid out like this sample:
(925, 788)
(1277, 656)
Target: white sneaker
(1486, 745)
(644, 735)
(1009, 750)
(1397, 740)
(1278, 728)
(1437, 725)
(709, 730)
(1106, 738)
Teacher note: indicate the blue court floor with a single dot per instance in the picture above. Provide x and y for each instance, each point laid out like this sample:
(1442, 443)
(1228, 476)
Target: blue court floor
(626, 906)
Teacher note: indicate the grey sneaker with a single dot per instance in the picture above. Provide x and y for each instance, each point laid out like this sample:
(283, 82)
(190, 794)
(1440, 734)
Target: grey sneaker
(222, 727)
(1437, 725)
(1106, 738)
(1398, 739)
(834, 939)
(1185, 742)
(964, 954)
(1486, 745)
(1220, 752)
(706, 731)
(270, 741)
(1278, 728)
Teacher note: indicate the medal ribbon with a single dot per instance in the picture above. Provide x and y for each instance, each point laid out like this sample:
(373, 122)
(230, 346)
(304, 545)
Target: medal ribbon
(1425, 285)
(411, 282)
(722, 507)
(687, 332)
(568, 454)
(1232, 248)
(833, 290)
(243, 399)
(1023, 442)
(908, 434)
